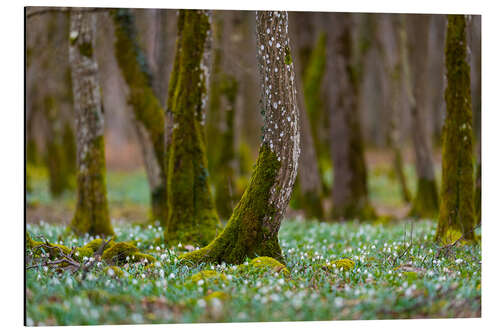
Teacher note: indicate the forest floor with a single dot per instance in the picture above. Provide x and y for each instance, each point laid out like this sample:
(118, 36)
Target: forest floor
(399, 272)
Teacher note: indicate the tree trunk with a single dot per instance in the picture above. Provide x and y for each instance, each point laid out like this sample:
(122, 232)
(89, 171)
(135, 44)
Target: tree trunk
(314, 89)
(91, 215)
(435, 83)
(456, 213)
(161, 55)
(350, 192)
(253, 227)
(425, 203)
(220, 118)
(309, 178)
(389, 42)
(224, 174)
(192, 217)
(56, 159)
(148, 114)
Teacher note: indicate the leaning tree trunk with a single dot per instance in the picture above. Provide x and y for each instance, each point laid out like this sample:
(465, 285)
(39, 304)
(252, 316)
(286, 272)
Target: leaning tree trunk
(309, 178)
(253, 228)
(148, 114)
(389, 43)
(425, 203)
(91, 215)
(456, 213)
(192, 217)
(350, 192)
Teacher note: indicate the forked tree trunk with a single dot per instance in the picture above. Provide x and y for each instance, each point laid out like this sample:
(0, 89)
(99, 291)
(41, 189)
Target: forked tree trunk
(91, 215)
(253, 228)
(309, 178)
(456, 213)
(192, 218)
(425, 203)
(148, 116)
(350, 192)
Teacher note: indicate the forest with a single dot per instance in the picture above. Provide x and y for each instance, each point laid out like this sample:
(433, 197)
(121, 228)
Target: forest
(191, 166)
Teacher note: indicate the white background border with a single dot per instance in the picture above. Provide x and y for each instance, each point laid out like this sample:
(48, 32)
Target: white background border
(12, 163)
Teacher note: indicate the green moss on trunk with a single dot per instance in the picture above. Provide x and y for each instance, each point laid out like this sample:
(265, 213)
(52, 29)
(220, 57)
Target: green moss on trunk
(456, 213)
(426, 201)
(56, 157)
(224, 173)
(146, 107)
(309, 202)
(214, 110)
(244, 235)
(69, 147)
(32, 153)
(192, 217)
(92, 215)
(313, 76)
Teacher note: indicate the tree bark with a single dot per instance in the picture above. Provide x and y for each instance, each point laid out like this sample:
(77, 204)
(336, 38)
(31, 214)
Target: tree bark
(91, 215)
(59, 170)
(148, 115)
(221, 116)
(456, 213)
(309, 178)
(425, 203)
(253, 227)
(389, 42)
(161, 55)
(350, 192)
(192, 217)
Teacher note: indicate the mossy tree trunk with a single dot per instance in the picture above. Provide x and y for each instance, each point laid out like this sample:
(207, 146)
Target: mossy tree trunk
(389, 43)
(148, 115)
(456, 212)
(350, 192)
(426, 201)
(56, 101)
(32, 150)
(253, 227)
(221, 117)
(91, 215)
(192, 217)
(309, 179)
(225, 166)
(56, 160)
(214, 114)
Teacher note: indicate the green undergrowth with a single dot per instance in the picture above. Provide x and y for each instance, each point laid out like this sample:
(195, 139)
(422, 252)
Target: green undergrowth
(123, 188)
(336, 271)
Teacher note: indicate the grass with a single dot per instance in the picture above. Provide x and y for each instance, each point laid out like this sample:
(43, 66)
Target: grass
(386, 282)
